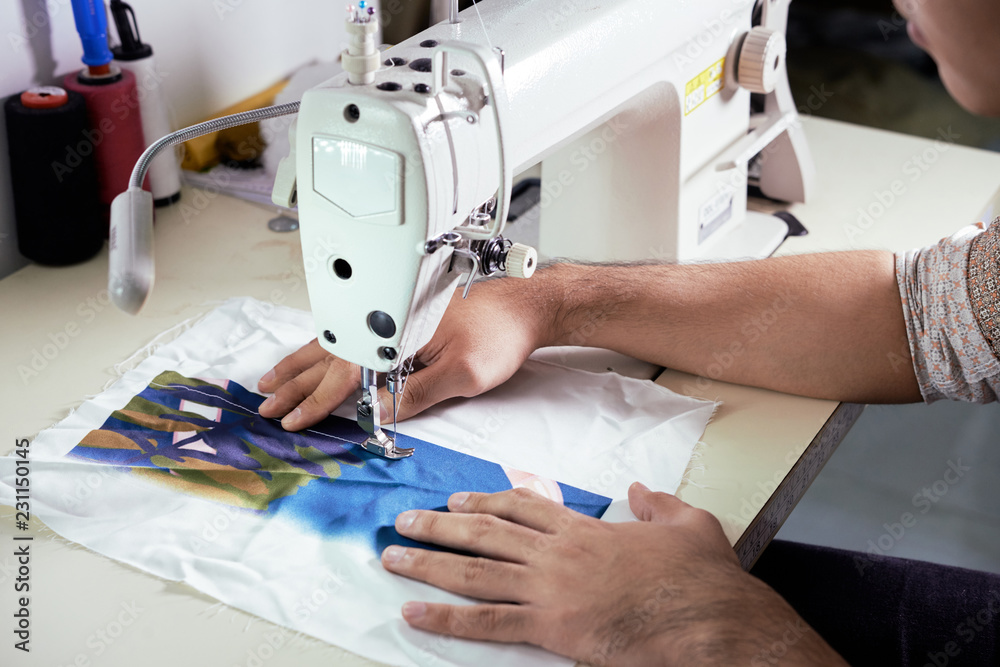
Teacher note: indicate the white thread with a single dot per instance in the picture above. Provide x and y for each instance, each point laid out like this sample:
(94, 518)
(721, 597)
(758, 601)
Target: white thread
(148, 350)
(482, 23)
(246, 410)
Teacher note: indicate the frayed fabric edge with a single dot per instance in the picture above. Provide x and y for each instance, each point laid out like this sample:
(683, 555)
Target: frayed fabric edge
(696, 463)
(297, 639)
(150, 348)
(136, 358)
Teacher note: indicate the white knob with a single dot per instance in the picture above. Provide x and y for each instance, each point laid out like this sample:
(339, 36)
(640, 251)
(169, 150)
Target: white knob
(522, 260)
(761, 59)
(361, 57)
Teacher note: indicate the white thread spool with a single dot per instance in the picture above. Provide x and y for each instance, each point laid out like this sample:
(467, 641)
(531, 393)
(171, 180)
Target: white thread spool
(164, 173)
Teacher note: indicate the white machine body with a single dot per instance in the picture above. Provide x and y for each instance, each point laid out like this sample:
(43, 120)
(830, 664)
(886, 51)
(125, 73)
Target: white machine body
(634, 108)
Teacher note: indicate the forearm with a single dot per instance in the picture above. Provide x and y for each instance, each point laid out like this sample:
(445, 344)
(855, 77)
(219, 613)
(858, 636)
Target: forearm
(827, 326)
(752, 626)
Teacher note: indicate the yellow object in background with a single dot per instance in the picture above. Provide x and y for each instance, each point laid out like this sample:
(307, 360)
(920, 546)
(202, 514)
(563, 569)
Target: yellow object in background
(238, 144)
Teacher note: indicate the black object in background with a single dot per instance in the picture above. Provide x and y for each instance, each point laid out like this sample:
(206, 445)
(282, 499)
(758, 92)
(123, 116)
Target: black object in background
(884, 611)
(54, 177)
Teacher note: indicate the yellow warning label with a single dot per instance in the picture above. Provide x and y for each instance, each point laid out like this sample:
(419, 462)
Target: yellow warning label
(703, 86)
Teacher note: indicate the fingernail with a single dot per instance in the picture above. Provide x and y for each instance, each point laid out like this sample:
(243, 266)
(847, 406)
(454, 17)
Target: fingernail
(291, 418)
(640, 486)
(383, 412)
(267, 377)
(405, 520)
(266, 404)
(414, 611)
(393, 554)
(458, 499)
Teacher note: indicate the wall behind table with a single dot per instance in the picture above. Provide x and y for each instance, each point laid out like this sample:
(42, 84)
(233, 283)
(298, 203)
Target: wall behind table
(210, 53)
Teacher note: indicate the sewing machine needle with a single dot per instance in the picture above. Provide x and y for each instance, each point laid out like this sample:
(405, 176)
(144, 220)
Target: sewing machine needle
(394, 414)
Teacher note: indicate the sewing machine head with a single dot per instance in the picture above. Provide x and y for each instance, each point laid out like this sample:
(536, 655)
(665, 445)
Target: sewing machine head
(396, 168)
(639, 112)
(395, 159)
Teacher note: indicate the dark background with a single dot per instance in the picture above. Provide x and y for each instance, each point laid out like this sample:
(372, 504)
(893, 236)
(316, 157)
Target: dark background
(860, 51)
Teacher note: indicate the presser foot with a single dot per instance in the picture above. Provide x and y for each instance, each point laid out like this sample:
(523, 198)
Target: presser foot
(378, 442)
(382, 445)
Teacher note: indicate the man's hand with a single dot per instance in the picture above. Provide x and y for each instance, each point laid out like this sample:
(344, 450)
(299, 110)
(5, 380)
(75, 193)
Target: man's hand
(665, 590)
(479, 344)
(826, 326)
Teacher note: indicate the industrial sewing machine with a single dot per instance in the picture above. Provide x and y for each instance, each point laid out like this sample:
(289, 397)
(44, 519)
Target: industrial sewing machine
(646, 116)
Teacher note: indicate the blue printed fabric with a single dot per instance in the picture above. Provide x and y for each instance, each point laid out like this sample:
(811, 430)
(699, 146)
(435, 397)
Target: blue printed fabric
(205, 438)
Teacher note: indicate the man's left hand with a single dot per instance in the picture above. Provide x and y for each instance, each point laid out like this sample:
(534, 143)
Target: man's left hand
(667, 589)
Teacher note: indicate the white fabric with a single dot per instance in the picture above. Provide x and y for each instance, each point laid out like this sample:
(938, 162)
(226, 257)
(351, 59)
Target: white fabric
(598, 431)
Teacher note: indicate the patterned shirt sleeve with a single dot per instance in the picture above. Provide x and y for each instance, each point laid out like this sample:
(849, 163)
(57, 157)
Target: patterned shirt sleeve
(951, 304)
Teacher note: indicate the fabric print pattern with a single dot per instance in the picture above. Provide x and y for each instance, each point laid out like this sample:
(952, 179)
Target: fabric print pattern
(203, 437)
(945, 291)
(984, 284)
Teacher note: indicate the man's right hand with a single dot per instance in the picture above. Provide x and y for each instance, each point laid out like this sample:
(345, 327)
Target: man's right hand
(826, 326)
(479, 344)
